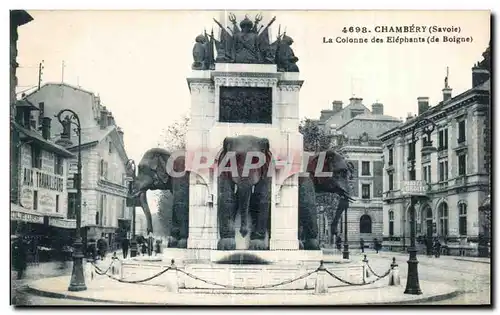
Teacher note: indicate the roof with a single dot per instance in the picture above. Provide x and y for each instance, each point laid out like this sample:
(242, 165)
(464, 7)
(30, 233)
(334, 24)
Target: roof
(484, 87)
(375, 117)
(45, 144)
(60, 84)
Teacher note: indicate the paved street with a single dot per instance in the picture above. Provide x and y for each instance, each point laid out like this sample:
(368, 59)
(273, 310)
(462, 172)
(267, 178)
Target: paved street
(472, 276)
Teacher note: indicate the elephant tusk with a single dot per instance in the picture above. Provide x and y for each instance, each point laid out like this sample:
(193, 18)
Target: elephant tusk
(235, 189)
(253, 188)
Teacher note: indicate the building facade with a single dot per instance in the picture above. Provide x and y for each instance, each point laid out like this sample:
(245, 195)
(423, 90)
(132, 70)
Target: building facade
(457, 175)
(104, 187)
(40, 213)
(353, 132)
(17, 19)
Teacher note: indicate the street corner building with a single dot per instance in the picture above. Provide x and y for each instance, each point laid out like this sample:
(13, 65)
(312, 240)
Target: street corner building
(456, 179)
(352, 131)
(104, 184)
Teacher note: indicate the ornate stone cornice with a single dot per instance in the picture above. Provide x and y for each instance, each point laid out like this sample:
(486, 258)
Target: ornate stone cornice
(200, 86)
(246, 81)
(216, 74)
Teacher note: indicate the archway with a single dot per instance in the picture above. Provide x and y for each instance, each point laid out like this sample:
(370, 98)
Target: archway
(426, 220)
(365, 224)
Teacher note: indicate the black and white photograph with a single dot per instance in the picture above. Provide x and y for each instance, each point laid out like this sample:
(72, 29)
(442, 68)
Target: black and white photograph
(250, 157)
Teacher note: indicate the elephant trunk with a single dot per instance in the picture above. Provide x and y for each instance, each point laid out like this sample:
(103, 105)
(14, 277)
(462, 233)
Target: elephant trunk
(147, 212)
(244, 193)
(342, 206)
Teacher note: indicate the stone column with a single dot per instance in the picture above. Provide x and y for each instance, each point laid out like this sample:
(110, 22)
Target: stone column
(202, 215)
(285, 214)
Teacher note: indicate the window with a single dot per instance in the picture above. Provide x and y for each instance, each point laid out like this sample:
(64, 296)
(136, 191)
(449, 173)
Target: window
(391, 223)
(462, 163)
(57, 203)
(412, 174)
(36, 157)
(462, 219)
(443, 219)
(411, 151)
(71, 205)
(443, 139)
(443, 171)
(97, 218)
(391, 156)
(365, 224)
(365, 168)
(41, 113)
(35, 200)
(391, 181)
(365, 191)
(427, 173)
(355, 113)
(104, 169)
(461, 131)
(58, 165)
(110, 148)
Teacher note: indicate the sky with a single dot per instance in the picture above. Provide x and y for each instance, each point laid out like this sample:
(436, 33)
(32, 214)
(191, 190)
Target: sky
(138, 61)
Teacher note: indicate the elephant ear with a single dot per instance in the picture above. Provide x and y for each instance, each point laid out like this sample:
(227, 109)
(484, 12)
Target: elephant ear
(158, 164)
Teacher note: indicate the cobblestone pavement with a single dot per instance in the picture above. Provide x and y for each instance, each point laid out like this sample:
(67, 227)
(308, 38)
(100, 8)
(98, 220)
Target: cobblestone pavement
(473, 278)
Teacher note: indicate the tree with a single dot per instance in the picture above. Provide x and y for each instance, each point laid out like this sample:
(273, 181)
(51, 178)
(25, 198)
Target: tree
(173, 138)
(315, 138)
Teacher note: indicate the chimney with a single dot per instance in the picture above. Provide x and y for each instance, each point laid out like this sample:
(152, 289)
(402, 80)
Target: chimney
(423, 104)
(409, 117)
(103, 121)
(120, 133)
(41, 107)
(377, 109)
(325, 114)
(355, 100)
(46, 127)
(479, 76)
(447, 88)
(336, 106)
(110, 119)
(446, 94)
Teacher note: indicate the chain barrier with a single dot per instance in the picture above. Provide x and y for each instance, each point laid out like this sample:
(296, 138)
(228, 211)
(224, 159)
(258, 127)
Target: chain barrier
(356, 284)
(373, 272)
(267, 286)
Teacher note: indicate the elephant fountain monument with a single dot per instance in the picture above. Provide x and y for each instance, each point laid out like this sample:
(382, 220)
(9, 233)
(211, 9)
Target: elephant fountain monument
(243, 188)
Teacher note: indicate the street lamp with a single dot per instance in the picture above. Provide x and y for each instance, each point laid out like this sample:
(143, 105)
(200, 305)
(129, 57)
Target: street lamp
(77, 278)
(412, 282)
(130, 166)
(345, 252)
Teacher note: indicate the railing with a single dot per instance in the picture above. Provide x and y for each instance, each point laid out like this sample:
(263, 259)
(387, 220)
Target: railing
(359, 142)
(461, 181)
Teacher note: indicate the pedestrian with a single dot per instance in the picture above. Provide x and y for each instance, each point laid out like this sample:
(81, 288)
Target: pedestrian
(338, 242)
(19, 256)
(362, 244)
(376, 245)
(144, 248)
(428, 245)
(125, 245)
(158, 247)
(102, 246)
(437, 248)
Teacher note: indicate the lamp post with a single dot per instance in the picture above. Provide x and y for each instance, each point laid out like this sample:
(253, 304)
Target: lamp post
(412, 281)
(131, 173)
(345, 252)
(77, 282)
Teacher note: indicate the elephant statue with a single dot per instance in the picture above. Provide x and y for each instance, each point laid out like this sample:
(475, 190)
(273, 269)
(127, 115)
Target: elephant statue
(245, 192)
(155, 173)
(337, 183)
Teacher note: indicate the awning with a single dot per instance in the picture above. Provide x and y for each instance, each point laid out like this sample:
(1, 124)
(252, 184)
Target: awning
(18, 213)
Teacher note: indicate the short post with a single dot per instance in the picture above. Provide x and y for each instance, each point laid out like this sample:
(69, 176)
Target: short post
(394, 275)
(321, 287)
(366, 274)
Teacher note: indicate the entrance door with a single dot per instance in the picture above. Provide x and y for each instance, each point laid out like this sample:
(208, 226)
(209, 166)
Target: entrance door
(428, 220)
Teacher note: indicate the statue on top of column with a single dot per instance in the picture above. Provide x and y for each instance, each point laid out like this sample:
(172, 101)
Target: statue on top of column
(246, 42)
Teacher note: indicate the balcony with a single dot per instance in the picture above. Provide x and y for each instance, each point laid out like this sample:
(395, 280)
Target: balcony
(426, 158)
(359, 142)
(443, 185)
(461, 145)
(460, 181)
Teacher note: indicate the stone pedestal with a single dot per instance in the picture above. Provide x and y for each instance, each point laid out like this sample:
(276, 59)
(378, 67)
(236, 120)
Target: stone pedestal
(205, 137)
